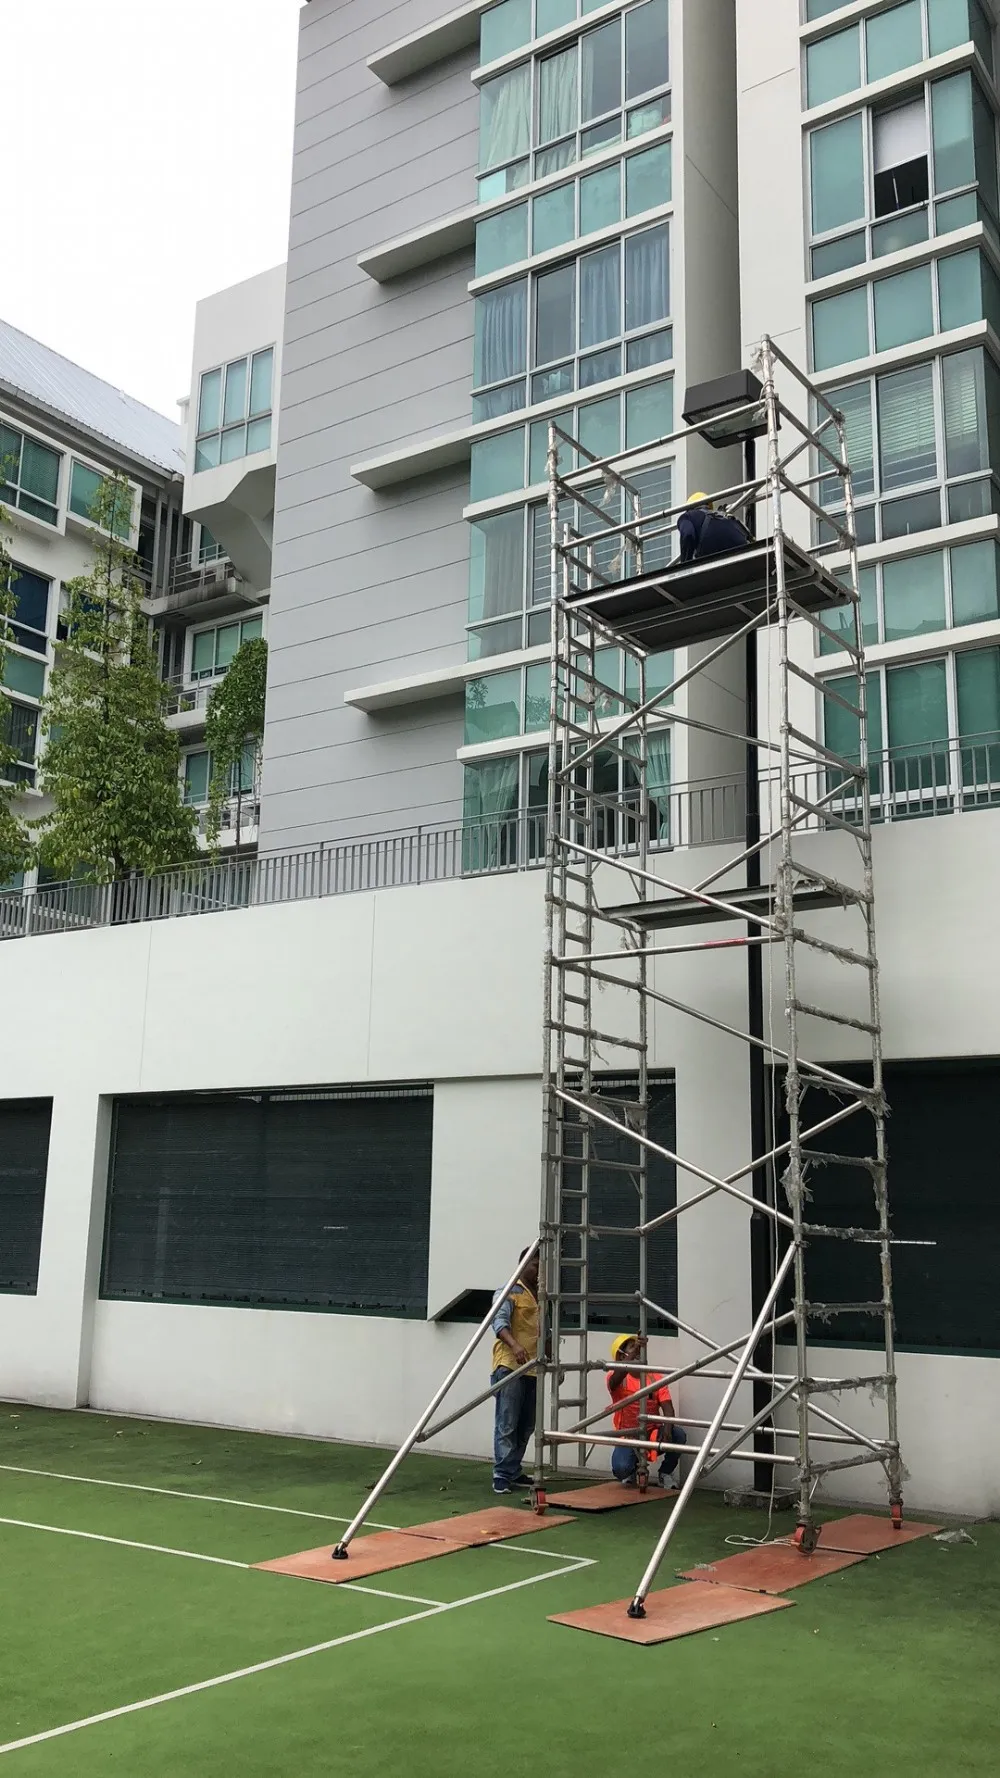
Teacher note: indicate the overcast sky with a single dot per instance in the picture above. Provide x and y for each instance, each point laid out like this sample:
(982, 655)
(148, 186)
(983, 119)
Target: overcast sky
(148, 163)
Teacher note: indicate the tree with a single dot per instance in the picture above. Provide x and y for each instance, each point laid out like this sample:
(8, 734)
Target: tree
(234, 730)
(15, 843)
(111, 765)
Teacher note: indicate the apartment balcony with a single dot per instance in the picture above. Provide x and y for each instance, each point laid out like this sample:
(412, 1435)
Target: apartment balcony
(212, 589)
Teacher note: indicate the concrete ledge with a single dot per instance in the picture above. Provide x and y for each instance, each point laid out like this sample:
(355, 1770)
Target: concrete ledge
(435, 241)
(452, 32)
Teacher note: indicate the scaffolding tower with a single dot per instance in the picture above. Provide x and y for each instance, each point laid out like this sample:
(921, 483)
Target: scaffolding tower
(625, 932)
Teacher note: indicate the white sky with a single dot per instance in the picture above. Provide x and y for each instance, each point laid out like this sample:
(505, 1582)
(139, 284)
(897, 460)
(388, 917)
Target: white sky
(148, 163)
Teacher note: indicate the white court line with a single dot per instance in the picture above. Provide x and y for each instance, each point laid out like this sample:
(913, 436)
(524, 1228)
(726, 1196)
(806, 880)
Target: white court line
(301, 1654)
(126, 1543)
(354, 1586)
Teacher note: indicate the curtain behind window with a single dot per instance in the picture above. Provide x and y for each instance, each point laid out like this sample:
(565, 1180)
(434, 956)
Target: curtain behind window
(501, 329)
(647, 280)
(907, 446)
(505, 117)
(557, 107)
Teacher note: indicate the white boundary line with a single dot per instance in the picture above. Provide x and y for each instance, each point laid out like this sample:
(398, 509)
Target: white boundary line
(301, 1654)
(157, 1549)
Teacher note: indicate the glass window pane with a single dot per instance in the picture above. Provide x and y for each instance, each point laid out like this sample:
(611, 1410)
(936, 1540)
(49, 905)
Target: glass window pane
(552, 160)
(951, 114)
(504, 28)
(818, 9)
(553, 218)
(210, 402)
(600, 427)
(649, 349)
(913, 596)
(602, 71)
(647, 117)
(600, 199)
(234, 444)
(836, 157)
(83, 490)
(505, 117)
(917, 706)
(557, 100)
(838, 256)
(491, 791)
(600, 367)
(31, 598)
(647, 54)
(500, 333)
(227, 641)
(497, 185)
(649, 413)
(601, 135)
(960, 290)
(985, 147)
(507, 400)
(539, 446)
(966, 438)
(841, 729)
(492, 707)
(647, 277)
(907, 518)
(954, 213)
(537, 697)
(497, 465)
(196, 778)
(550, 383)
(550, 14)
(974, 584)
(648, 179)
(948, 24)
(207, 452)
(982, 33)
(907, 445)
(895, 40)
(261, 373)
(251, 629)
(840, 328)
(259, 435)
(660, 672)
(600, 296)
(855, 403)
(977, 676)
(904, 310)
(496, 566)
(493, 639)
(555, 314)
(40, 471)
(23, 675)
(841, 618)
(899, 232)
(501, 240)
(202, 653)
(235, 407)
(833, 66)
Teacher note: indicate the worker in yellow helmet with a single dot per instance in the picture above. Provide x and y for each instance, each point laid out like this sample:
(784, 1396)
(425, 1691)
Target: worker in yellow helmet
(623, 1387)
(705, 532)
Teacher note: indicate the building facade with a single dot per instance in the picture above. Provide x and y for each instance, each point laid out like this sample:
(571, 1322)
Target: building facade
(503, 214)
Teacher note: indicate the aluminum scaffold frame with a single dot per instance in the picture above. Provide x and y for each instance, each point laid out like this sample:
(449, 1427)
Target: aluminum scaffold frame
(610, 893)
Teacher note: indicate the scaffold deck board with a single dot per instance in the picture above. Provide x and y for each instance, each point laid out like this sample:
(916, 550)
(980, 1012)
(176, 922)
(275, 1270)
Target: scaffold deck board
(385, 1550)
(772, 1568)
(867, 1534)
(677, 1611)
(688, 910)
(608, 1497)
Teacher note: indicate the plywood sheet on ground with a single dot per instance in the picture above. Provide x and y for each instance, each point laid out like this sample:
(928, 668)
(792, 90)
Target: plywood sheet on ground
(678, 1611)
(386, 1550)
(607, 1497)
(866, 1534)
(772, 1568)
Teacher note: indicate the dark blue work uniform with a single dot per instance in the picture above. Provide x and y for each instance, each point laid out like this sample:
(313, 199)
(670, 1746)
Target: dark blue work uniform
(704, 533)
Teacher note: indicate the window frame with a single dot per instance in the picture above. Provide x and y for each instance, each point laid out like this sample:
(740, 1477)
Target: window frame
(204, 675)
(860, 25)
(233, 792)
(632, 384)
(224, 428)
(827, 653)
(14, 625)
(530, 195)
(14, 494)
(871, 286)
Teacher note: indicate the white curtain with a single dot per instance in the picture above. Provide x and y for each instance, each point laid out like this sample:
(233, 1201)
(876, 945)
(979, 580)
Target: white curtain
(501, 333)
(489, 841)
(600, 296)
(647, 278)
(505, 117)
(557, 96)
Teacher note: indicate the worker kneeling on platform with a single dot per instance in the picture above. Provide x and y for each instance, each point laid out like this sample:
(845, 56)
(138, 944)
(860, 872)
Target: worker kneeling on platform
(515, 1324)
(704, 532)
(662, 1430)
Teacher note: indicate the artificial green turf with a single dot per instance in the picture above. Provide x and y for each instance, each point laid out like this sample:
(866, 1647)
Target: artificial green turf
(891, 1664)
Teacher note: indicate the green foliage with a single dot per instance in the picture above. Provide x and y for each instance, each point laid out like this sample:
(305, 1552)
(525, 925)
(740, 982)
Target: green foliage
(234, 729)
(15, 844)
(111, 764)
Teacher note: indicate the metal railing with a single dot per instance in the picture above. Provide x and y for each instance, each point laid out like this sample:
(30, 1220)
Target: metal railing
(949, 778)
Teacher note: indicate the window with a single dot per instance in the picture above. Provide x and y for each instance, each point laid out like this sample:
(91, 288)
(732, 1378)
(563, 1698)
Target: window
(833, 66)
(518, 700)
(897, 310)
(234, 410)
(21, 735)
(29, 625)
(84, 488)
(208, 549)
(941, 721)
(595, 201)
(890, 41)
(571, 325)
(928, 147)
(916, 595)
(23, 675)
(198, 775)
(24, 1157)
(213, 651)
(919, 426)
(501, 464)
(29, 475)
(302, 1199)
(607, 86)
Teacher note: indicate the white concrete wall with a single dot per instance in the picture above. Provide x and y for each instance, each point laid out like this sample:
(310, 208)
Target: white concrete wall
(441, 983)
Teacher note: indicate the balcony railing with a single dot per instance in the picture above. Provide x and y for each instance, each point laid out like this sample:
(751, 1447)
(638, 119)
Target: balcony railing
(950, 778)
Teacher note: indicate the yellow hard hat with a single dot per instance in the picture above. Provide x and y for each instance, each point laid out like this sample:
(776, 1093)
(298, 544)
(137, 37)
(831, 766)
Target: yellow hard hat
(699, 499)
(620, 1341)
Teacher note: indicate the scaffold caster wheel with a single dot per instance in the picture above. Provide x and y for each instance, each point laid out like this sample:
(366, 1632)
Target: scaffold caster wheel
(339, 1554)
(897, 1515)
(539, 1503)
(637, 1609)
(807, 1539)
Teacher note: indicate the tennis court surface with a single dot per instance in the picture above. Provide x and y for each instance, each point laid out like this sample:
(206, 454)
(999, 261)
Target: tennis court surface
(138, 1634)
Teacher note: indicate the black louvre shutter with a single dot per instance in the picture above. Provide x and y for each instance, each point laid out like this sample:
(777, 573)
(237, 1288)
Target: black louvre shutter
(614, 1203)
(299, 1200)
(944, 1187)
(24, 1154)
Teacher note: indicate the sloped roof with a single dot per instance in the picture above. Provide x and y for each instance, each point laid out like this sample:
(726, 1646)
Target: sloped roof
(41, 375)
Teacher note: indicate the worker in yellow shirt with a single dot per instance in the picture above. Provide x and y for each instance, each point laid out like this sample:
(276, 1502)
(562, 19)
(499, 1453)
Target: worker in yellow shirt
(515, 1324)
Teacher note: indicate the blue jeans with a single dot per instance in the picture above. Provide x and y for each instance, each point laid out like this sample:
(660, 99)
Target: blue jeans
(625, 1459)
(514, 1425)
